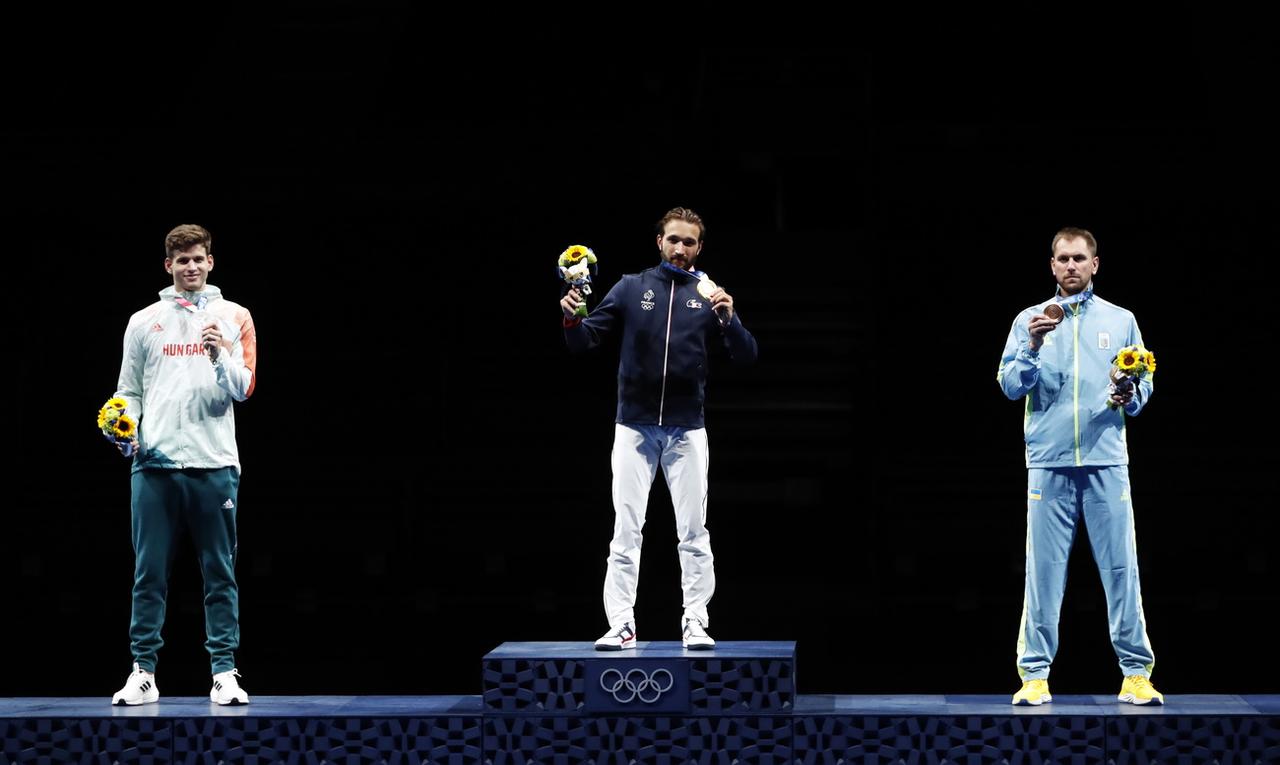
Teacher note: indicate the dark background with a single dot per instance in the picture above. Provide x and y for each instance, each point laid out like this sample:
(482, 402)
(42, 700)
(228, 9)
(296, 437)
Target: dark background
(426, 469)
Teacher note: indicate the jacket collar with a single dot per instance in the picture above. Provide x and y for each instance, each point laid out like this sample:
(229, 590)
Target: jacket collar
(668, 273)
(1082, 299)
(170, 293)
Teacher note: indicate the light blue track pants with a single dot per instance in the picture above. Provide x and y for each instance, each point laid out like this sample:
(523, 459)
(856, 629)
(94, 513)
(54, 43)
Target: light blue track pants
(1057, 500)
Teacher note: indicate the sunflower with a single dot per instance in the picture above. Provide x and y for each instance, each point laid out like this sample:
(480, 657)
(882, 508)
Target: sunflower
(107, 417)
(117, 403)
(1128, 359)
(575, 253)
(1149, 359)
(124, 427)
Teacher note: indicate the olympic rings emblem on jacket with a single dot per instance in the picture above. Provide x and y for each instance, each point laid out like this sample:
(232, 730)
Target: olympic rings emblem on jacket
(636, 683)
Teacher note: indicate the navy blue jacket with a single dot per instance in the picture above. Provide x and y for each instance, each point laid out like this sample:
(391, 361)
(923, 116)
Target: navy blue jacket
(665, 326)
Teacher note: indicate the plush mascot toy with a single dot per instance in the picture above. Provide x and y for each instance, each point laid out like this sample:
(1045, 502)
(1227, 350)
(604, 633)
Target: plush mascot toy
(577, 266)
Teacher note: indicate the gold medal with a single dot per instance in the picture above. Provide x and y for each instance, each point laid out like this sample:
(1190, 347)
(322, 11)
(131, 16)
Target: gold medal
(706, 287)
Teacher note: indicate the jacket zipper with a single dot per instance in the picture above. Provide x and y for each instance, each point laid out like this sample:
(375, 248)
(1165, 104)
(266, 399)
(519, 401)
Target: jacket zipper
(666, 353)
(1075, 343)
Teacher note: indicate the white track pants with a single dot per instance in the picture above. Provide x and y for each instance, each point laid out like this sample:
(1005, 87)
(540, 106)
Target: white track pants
(683, 454)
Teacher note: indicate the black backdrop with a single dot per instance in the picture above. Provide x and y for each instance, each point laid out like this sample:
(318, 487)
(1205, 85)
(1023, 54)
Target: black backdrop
(426, 469)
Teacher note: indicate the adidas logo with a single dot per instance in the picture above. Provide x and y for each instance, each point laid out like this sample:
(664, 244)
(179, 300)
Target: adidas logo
(228, 505)
(156, 327)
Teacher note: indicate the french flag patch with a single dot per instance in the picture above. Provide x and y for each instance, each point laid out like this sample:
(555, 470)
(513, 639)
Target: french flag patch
(1033, 494)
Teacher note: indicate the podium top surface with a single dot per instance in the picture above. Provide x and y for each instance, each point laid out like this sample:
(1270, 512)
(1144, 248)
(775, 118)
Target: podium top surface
(258, 706)
(1105, 705)
(725, 649)
(472, 706)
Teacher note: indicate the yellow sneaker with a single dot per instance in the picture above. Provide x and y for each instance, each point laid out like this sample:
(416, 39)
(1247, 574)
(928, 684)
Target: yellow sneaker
(1138, 690)
(1033, 693)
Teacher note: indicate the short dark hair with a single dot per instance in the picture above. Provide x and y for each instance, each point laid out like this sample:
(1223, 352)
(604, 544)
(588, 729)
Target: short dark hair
(185, 237)
(684, 214)
(1071, 232)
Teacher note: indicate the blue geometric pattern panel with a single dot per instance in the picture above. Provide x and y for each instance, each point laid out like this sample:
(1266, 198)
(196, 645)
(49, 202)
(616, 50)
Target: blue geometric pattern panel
(452, 740)
(1014, 740)
(534, 686)
(521, 740)
(1169, 739)
(250, 740)
(214, 740)
(142, 741)
(85, 742)
(430, 730)
(641, 740)
(727, 740)
(738, 686)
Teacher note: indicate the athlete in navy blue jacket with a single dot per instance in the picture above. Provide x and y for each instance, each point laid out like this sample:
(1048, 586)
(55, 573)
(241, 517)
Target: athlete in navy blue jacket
(666, 323)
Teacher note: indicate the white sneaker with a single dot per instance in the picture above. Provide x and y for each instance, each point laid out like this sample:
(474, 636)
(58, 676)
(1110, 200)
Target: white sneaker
(226, 690)
(140, 688)
(696, 637)
(617, 638)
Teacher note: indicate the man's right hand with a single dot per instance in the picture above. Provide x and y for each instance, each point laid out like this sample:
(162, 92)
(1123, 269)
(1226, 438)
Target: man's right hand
(1039, 326)
(570, 302)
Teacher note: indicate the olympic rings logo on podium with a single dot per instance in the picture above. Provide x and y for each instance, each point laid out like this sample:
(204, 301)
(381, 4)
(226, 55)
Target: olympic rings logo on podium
(636, 684)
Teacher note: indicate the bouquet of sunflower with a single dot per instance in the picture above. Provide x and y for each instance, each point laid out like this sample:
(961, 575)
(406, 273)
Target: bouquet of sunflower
(117, 426)
(577, 264)
(1130, 365)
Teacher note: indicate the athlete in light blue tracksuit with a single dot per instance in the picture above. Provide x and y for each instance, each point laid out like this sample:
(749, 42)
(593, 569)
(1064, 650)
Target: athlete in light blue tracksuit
(1077, 464)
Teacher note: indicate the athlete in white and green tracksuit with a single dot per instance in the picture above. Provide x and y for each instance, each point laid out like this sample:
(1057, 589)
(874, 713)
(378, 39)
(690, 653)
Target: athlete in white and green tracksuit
(186, 472)
(1077, 467)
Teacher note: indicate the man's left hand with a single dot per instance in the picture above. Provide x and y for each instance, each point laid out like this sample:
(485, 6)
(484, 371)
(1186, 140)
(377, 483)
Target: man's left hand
(722, 304)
